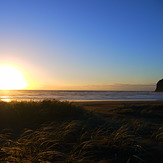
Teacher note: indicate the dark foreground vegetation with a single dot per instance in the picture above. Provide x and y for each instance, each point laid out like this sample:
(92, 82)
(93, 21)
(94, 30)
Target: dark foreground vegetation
(54, 131)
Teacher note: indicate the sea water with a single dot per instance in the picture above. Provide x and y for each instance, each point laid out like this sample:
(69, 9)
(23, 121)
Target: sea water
(79, 95)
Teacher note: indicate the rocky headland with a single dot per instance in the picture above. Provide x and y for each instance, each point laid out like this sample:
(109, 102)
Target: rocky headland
(159, 86)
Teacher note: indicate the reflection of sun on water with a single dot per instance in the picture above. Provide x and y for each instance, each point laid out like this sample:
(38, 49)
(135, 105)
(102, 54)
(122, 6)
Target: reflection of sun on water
(5, 98)
(11, 79)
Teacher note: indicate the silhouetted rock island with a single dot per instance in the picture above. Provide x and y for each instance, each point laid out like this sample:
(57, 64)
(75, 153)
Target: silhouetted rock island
(159, 86)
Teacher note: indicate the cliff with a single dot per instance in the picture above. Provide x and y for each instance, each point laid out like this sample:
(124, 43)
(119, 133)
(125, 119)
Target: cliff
(159, 86)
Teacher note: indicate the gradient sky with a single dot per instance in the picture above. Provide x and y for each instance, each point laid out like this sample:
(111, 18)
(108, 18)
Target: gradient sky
(84, 44)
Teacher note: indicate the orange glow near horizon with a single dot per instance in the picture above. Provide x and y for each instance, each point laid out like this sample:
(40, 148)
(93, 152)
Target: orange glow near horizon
(11, 78)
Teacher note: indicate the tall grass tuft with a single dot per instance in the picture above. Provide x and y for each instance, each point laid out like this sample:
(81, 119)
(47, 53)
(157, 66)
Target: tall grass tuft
(31, 114)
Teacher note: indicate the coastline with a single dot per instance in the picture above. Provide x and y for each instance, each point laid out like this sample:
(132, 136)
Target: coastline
(80, 96)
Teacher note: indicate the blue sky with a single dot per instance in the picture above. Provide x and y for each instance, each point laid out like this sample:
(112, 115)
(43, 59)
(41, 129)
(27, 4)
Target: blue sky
(84, 44)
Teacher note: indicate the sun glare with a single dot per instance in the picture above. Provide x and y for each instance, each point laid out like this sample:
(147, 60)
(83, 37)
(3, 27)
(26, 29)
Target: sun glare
(11, 78)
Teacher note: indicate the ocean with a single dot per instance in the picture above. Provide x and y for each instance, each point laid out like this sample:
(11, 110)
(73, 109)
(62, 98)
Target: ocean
(28, 95)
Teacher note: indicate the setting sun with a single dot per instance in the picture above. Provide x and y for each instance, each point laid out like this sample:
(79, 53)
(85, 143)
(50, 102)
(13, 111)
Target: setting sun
(11, 78)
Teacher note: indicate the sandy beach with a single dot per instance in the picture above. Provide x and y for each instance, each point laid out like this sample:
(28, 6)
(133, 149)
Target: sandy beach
(105, 106)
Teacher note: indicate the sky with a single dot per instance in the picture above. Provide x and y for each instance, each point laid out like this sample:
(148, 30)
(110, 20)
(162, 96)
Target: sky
(84, 44)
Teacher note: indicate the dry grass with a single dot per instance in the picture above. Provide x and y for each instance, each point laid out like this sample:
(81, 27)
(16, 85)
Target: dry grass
(53, 131)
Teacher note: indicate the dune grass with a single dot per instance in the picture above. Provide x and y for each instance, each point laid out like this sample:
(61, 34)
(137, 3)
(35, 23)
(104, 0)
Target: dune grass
(54, 131)
(32, 114)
